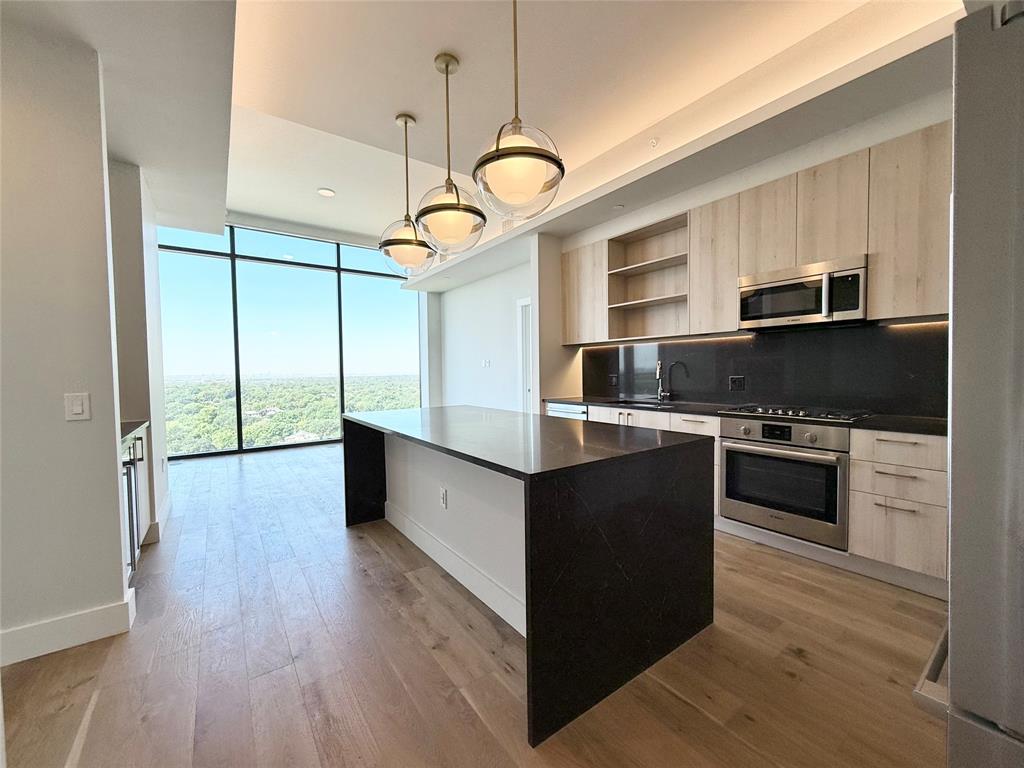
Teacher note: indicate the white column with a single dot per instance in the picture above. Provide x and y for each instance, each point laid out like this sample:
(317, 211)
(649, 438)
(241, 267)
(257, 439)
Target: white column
(63, 580)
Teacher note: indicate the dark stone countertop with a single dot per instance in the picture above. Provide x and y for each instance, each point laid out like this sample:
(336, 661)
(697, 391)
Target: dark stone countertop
(128, 428)
(672, 406)
(520, 445)
(917, 425)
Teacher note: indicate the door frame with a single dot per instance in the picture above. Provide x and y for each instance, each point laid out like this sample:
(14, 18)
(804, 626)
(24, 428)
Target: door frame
(524, 353)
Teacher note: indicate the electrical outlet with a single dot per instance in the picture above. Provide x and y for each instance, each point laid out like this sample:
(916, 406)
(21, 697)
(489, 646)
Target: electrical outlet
(444, 497)
(613, 379)
(737, 383)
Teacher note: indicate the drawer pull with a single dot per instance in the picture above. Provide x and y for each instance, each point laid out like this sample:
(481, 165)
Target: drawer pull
(896, 509)
(896, 474)
(900, 442)
(693, 421)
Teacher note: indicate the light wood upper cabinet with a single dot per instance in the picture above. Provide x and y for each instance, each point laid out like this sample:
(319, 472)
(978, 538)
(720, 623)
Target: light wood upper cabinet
(832, 209)
(585, 294)
(714, 266)
(908, 224)
(768, 226)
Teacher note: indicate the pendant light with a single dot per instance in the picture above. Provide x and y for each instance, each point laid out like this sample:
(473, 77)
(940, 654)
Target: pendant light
(520, 170)
(450, 216)
(407, 253)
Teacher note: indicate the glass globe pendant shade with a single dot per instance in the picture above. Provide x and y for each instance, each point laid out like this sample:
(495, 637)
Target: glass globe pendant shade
(408, 253)
(519, 171)
(450, 219)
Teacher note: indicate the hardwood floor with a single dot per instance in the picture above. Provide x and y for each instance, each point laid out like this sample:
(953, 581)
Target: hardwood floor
(269, 635)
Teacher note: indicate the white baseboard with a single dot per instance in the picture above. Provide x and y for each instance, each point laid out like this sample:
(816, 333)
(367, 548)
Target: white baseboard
(56, 634)
(916, 582)
(472, 577)
(152, 535)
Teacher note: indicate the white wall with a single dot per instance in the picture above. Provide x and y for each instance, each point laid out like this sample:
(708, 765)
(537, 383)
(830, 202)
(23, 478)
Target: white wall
(478, 323)
(139, 343)
(63, 580)
(158, 487)
(129, 290)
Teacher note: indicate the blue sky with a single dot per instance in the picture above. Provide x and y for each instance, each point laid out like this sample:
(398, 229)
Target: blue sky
(288, 316)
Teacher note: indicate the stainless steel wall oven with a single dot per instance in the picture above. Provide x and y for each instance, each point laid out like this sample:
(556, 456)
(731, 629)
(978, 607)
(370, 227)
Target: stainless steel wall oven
(788, 477)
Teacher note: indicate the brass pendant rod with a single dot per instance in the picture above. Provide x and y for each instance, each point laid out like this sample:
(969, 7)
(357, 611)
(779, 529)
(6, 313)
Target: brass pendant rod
(406, 131)
(515, 54)
(447, 125)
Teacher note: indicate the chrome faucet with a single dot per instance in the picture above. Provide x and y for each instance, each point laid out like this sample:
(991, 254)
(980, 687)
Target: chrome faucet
(666, 394)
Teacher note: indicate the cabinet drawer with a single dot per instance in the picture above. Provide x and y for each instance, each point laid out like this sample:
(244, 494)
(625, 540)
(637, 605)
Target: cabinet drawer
(695, 425)
(649, 419)
(699, 425)
(907, 534)
(925, 485)
(629, 417)
(603, 413)
(921, 451)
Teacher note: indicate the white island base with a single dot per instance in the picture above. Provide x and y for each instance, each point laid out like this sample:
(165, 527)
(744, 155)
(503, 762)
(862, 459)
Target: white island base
(468, 519)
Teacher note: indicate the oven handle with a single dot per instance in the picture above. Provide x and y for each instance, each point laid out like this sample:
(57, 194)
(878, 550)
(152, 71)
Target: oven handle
(784, 453)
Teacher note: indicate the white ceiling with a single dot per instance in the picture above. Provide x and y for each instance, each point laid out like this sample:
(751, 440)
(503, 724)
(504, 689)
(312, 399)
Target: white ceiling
(592, 73)
(595, 75)
(277, 166)
(167, 88)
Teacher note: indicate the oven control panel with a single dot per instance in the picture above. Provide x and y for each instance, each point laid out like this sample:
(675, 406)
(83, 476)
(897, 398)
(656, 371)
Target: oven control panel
(825, 437)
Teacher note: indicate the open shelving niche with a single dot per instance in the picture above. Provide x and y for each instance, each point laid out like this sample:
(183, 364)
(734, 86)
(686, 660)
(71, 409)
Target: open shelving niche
(648, 281)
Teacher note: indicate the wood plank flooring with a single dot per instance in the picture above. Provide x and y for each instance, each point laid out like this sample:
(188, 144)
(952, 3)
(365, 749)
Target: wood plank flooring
(269, 635)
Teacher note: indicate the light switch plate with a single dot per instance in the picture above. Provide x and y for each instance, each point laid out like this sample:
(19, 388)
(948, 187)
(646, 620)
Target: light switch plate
(77, 406)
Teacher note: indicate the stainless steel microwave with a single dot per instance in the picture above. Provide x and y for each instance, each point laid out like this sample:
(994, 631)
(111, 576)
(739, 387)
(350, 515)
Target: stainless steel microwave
(825, 292)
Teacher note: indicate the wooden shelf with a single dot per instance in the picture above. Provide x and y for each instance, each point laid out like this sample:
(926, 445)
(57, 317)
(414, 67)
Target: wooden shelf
(663, 262)
(652, 302)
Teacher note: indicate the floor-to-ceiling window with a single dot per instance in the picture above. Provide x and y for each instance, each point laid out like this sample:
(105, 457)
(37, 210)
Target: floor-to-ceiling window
(259, 328)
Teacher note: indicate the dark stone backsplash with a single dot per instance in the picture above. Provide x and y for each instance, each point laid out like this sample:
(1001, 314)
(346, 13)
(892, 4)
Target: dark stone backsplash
(894, 369)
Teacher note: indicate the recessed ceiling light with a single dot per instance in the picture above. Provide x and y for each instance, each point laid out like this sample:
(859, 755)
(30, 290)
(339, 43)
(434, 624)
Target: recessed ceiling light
(618, 206)
(325, 192)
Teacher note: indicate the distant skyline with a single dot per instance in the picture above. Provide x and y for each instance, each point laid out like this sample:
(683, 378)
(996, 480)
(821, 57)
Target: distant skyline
(288, 321)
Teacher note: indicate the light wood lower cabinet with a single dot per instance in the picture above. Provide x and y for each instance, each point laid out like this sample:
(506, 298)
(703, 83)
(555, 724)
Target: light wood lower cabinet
(605, 414)
(696, 425)
(709, 426)
(648, 419)
(925, 485)
(903, 449)
(630, 417)
(907, 534)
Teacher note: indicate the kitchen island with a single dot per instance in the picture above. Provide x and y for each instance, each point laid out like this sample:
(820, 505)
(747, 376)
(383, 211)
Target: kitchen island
(593, 540)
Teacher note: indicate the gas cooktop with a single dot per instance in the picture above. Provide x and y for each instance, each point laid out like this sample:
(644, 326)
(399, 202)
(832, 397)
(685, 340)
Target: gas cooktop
(797, 412)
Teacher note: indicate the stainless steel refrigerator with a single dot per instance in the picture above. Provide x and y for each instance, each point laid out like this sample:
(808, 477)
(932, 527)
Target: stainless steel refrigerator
(986, 607)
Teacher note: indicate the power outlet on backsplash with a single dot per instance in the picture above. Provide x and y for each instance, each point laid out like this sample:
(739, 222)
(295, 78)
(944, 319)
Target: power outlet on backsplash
(737, 383)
